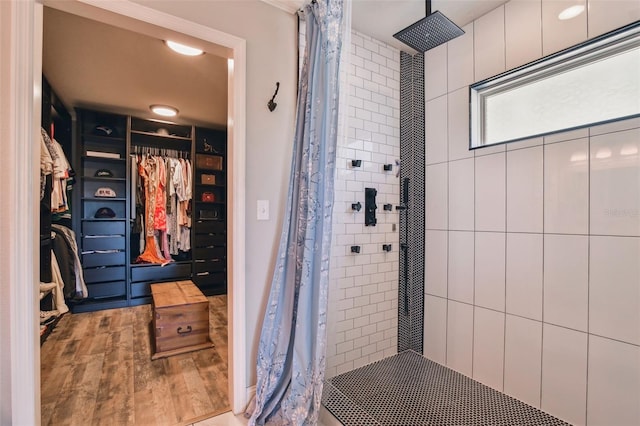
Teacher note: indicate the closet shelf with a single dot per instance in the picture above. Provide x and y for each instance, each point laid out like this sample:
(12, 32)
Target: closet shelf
(103, 159)
(157, 135)
(204, 185)
(97, 219)
(104, 179)
(105, 199)
(215, 203)
(105, 139)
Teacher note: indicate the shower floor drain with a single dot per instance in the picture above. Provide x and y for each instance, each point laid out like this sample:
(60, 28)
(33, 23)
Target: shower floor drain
(409, 390)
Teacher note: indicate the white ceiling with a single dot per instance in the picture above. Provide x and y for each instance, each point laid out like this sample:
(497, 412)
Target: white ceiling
(96, 65)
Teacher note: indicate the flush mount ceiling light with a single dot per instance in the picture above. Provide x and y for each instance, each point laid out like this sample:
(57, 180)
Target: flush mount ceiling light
(571, 12)
(183, 49)
(164, 110)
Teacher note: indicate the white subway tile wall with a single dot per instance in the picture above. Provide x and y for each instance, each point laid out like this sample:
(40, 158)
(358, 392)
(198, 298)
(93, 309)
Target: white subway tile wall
(363, 319)
(548, 311)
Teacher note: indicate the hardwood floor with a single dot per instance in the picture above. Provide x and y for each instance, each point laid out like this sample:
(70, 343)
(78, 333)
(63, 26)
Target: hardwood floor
(96, 369)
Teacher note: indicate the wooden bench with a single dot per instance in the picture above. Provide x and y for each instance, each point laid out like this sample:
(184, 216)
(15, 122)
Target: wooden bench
(180, 319)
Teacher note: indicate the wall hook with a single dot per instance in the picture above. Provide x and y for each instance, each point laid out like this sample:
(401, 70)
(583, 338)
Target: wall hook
(356, 163)
(356, 206)
(271, 104)
(355, 249)
(386, 247)
(388, 207)
(387, 167)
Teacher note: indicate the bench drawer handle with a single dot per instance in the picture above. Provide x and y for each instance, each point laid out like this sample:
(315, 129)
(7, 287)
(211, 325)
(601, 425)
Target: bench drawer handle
(187, 331)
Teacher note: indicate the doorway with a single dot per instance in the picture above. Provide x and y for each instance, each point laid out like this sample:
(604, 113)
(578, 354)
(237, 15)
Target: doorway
(25, 353)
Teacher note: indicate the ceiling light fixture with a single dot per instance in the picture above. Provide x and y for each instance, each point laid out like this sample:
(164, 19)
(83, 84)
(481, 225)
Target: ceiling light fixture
(571, 12)
(183, 49)
(164, 110)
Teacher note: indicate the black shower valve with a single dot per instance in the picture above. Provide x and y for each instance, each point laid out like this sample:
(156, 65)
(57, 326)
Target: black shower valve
(386, 247)
(387, 167)
(387, 207)
(355, 249)
(356, 163)
(356, 206)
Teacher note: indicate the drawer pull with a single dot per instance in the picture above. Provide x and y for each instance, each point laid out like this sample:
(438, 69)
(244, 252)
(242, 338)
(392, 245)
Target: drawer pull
(187, 331)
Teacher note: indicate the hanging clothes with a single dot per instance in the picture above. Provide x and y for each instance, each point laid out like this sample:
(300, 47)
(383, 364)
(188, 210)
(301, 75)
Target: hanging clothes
(166, 222)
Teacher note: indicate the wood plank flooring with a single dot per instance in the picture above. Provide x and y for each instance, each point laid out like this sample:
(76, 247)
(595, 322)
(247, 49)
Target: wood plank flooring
(96, 369)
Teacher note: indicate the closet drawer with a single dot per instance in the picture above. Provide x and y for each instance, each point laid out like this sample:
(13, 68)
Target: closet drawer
(140, 289)
(209, 253)
(104, 274)
(103, 243)
(217, 265)
(161, 273)
(208, 226)
(103, 227)
(109, 289)
(206, 240)
(103, 259)
(209, 278)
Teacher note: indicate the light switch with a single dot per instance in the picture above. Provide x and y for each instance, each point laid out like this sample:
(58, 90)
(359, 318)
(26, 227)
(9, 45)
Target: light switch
(263, 210)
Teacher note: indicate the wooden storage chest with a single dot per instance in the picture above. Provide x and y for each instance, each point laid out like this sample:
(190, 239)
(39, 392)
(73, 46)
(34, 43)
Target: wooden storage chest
(180, 318)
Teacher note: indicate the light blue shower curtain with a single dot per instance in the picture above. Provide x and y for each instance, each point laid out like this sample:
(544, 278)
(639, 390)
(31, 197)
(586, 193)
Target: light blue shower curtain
(291, 353)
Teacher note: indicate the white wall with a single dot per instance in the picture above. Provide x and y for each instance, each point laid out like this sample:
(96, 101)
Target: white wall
(271, 36)
(362, 318)
(532, 273)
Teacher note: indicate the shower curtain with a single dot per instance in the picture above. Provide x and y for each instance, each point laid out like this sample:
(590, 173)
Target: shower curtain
(291, 352)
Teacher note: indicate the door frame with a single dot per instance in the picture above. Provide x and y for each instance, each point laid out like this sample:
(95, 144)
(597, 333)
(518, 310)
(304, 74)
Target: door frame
(25, 123)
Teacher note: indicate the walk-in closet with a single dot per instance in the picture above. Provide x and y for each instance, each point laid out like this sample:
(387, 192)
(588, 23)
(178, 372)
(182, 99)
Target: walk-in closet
(133, 220)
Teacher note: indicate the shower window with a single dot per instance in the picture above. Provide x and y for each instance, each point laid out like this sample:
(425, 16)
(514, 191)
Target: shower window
(595, 82)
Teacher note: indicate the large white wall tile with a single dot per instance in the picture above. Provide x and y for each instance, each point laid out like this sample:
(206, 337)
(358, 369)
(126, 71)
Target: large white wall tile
(436, 132)
(566, 280)
(564, 373)
(608, 15)
(460, 60)
(436, 263)
(435, 329)
(615, 183)
(558, 34)
(490, 195)
(566, 187)
(460, 272)
(524, 275)
(525, 190)
(490, 270)
(461, 189)
(614, 289)
(435, 70)
(523, 32)
(436, 210)
(458, 124)
(489, 44)
(523, 359)
(488, 347)
(460, 337)
(614, 383)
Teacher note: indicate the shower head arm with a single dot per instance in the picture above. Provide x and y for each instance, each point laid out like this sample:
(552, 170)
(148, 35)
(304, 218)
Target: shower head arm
(428, 7)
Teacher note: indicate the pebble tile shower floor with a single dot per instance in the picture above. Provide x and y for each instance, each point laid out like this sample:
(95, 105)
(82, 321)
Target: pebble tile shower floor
(409, 390)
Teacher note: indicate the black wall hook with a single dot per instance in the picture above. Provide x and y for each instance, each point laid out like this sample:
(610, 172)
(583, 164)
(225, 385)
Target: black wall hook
(356, 206)
(356, 163)
(355, 249)
(271, 104)
(386, 247)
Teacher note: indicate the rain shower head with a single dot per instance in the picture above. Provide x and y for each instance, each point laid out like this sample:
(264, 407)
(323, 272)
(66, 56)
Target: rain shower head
(429, 32)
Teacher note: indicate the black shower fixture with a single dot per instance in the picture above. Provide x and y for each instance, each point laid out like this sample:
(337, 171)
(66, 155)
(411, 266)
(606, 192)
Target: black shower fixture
(388, 207)
(429, 32)
(386, 247)
(356, 206)
(356, 163)
(355, 249)
(387, 167)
